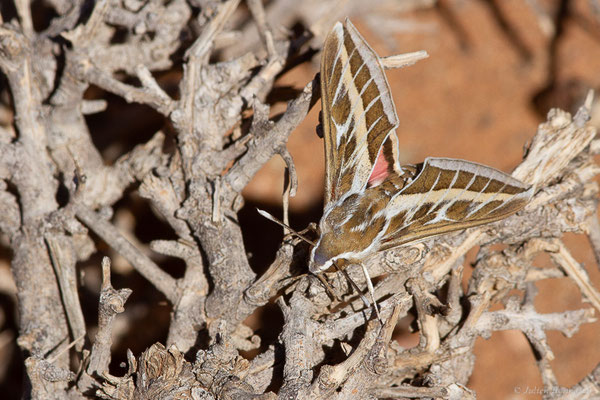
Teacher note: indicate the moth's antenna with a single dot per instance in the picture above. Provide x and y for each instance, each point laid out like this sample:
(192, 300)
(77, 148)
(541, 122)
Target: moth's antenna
(278, 222)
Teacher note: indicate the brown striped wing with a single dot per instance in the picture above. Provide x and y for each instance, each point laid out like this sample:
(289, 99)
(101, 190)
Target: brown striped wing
(358, 113)
(447, 195)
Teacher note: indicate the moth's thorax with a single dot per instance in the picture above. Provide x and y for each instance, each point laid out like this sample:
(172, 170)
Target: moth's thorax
(350, 228)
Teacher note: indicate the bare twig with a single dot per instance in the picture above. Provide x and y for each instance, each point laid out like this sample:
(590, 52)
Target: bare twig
(403, 60)
(112, 302)
(146, 267)
(593, 234)
(265, 145)
(576, 272)
(63, 260)
(53, 175)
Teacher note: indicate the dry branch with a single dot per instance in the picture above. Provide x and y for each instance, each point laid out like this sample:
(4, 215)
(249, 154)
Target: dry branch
(326, 348)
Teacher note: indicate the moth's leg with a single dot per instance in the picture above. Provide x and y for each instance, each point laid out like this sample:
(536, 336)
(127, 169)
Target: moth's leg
(371, 291)
(328, 288)
(355, 286)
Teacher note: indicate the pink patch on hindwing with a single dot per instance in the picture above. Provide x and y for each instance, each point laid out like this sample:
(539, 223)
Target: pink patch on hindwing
(380, 170)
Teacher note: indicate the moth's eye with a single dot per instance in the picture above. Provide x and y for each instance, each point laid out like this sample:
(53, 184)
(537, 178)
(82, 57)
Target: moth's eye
(319, 258)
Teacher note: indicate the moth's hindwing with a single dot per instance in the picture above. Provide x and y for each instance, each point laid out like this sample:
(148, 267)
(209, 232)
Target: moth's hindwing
(448, 195)
(358, 112)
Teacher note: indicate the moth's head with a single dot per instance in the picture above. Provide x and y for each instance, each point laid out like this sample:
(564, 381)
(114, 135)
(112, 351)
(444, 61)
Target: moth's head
(325, 253)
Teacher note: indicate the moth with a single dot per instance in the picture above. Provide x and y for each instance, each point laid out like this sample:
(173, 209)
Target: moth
(372, 203)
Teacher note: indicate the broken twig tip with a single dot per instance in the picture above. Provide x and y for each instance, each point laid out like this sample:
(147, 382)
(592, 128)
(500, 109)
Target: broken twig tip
(589, 99)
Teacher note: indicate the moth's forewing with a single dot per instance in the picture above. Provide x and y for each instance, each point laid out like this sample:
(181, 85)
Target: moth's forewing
(448, 195)
(358, 112)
